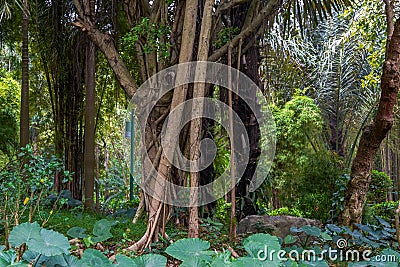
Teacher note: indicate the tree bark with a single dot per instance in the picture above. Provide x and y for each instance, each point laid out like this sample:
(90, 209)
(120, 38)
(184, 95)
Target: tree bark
(90, 114)
(24, 120)
(89, 155)
(196, 124)
(374, 133)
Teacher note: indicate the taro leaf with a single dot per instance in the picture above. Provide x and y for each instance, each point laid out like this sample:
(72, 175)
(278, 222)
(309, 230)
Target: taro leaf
(222, 259)
(369, 242)
(101, 230)
(289, 239)
(16, 264)
(2, 248)
(387, 258)
(62, 261)
(289, 263)
(123, 261)
(326, 237)
(311, 230)
(98, 239)
(249, 262)
(29, 255)
(188, 248)
(390, 230)
(74, 202)
(321, 263)
(260, 246)
(94, 258)
(150, 260)
(294, 229)
(334, 228)
(77, 232)
(383, 222)
(194, 262)
(23, 233)
(364, 228)
(65, 194)
(50, 243)
(359, 264)
(7, 257)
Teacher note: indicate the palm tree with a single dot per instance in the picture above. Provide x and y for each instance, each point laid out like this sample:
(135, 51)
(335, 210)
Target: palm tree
(328, 65)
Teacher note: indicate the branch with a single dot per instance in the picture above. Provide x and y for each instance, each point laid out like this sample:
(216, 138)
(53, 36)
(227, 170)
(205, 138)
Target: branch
(229, 4)
(268, 10)
(106, 45)
(389, 20)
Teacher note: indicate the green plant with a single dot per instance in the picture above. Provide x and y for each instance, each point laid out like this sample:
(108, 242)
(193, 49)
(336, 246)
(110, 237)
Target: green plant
(101, 232)
(317, 184)
(24, 188)
(385, 210)
(152, 37)
(285, 211)
(380, 186)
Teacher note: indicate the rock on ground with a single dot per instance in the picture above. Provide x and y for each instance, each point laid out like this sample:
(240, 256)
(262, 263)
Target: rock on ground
(274, 225)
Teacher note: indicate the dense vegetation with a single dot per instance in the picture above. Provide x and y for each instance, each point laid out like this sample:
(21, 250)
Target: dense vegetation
(70, 178)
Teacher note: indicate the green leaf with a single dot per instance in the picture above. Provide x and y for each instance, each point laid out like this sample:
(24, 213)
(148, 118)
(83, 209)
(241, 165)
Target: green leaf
(123, 261)
(101, 230)
(50, 243)
(97, 239)
(150, 260)
(249, 262)
(260, 244)
(7, 257)
(194, 262)
(62, 261)
(383, 222)
(188, 248)
(23, 233)
(326, 237)
(289, 239)
(314, 264)
(222, 259)
(94, 258)
(311, 230)
(77, 232)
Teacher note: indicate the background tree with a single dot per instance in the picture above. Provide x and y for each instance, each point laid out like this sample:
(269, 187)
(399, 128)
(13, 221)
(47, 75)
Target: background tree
(24, 114)
(374, 133)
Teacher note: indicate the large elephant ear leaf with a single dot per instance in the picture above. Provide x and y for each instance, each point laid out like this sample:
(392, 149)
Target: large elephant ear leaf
(50, 243)
(103, 227)
(188, 248)
(62, 260)
(102, 230)
(94, 258)
(258, 242)
(150, 260)
(77, 232)
(123, 261)
(23, 233)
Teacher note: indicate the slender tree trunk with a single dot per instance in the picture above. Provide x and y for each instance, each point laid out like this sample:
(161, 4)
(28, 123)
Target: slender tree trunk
(24, 120)
(196, 124)
(374, 133)
(89, 155)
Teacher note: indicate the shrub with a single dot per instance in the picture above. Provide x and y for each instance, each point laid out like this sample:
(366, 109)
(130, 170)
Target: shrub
(286, 211)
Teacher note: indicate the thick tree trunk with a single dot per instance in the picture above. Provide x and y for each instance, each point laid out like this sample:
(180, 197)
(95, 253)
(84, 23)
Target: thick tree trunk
(24, 120)
(374, 133)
